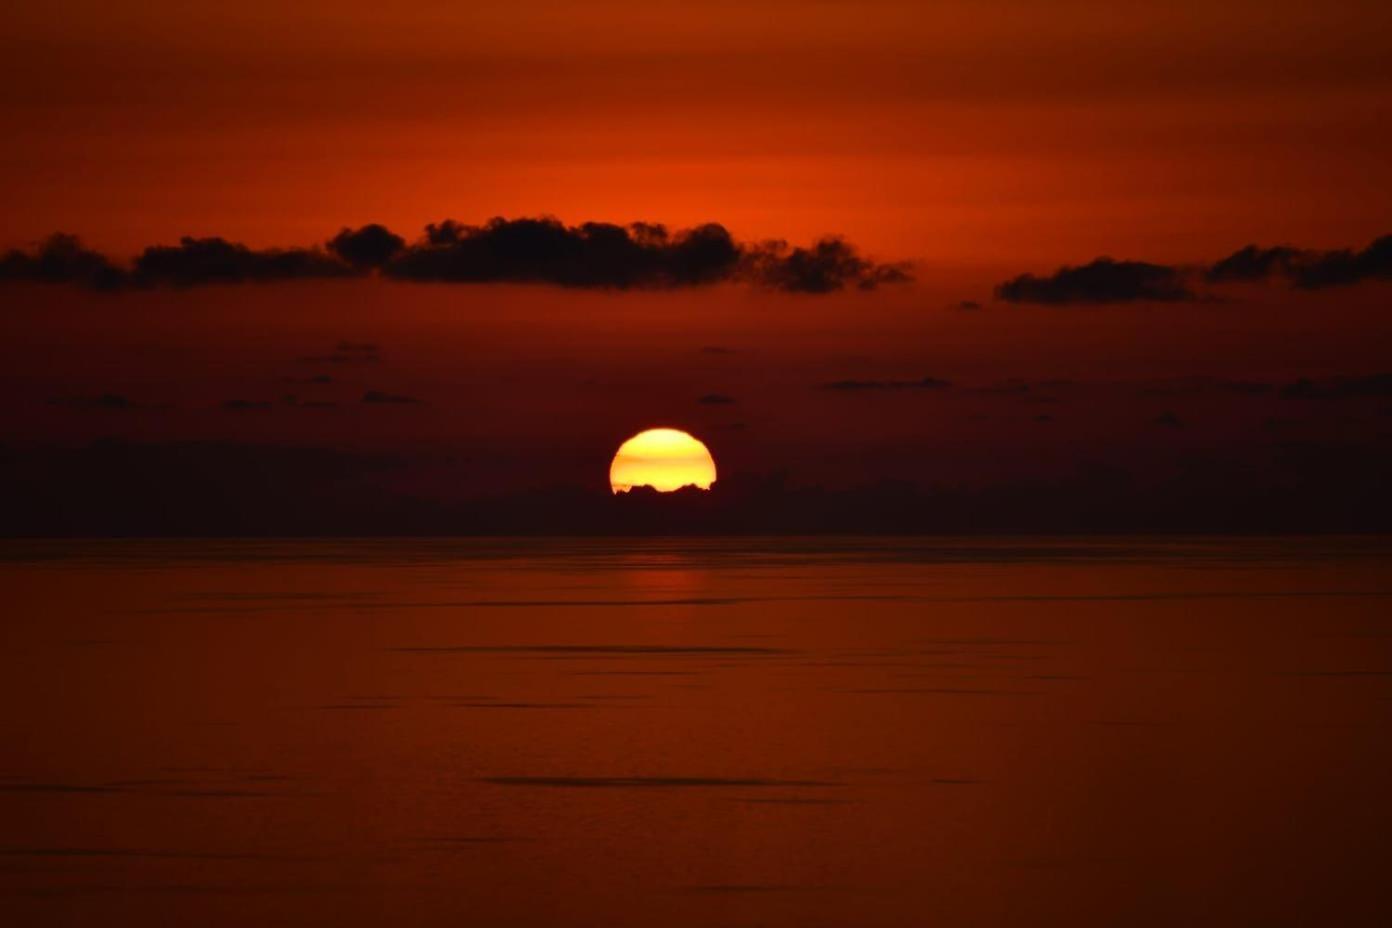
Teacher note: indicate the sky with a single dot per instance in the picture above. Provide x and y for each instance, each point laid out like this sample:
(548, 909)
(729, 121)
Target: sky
(954, 157)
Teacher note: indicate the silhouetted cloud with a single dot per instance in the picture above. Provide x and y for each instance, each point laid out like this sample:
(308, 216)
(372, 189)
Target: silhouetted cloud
(716, 399)
(966, 305)
(1012, 387)
(926, 383)
(382, 398)
(1102, 281)
(1307, 269)
(1198, 386)
(1335, 388)
(630, 782)
(1333, 268)
(292, 399)
(528, 250)
(370, 246)
(830, 264)
(593, 254)
(1108, 281)
(1254, 263)
(601, 650)
(61, 259)
(637, 255)
(240, 405)
(196, 261)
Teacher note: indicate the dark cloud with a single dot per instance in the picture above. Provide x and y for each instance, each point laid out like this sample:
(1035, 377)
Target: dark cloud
(240, 405)
(382, 398)
(1307, 269)
(590, 255)
(543, 251)
(1012, 387)
(317, 379)
(966, 305)
(528, 250)
(220, 489)
(1337, 388)
(1108, 281)
(1201, 385)
(716, 399)
(1102, 281)
(926, 383)
(291, 399)
(186, 488)
(639, 255)
(1254, 263)
(370, 246)
(829, 265)
(61, 259)
(196, 261)
(1334, 268)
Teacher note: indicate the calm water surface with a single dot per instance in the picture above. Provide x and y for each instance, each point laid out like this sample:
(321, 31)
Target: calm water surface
(723, 732)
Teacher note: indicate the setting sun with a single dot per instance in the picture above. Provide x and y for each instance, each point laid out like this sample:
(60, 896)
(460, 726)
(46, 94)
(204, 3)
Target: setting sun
(664, 459)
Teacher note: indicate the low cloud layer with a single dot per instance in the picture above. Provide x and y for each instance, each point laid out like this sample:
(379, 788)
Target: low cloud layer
(1338, 388)
(1109, 281)
(382, 398)
(62, 259)
(536, 251)
(1310, 270)
(196, 261)
(1102, 281)
(199, 488)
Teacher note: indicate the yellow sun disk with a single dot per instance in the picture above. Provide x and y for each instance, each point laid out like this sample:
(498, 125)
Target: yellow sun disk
(664, 459)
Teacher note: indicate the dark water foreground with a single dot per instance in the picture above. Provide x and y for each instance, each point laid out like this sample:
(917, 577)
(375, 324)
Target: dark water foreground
(650, 733)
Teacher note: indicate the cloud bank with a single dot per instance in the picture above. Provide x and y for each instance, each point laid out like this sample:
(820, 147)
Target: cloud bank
(593, 255)
(1306, 269)
(1102, 281)
(1105, 280)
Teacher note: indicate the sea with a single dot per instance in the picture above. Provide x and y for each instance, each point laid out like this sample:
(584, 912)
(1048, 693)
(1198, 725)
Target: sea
(847, 732)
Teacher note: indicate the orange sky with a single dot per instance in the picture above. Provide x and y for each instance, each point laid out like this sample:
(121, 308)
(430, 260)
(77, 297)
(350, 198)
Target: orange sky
(1005, 133)
(977, 140)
